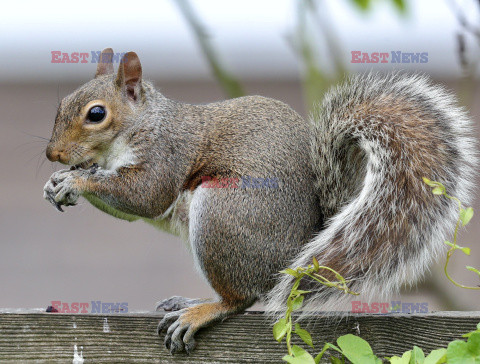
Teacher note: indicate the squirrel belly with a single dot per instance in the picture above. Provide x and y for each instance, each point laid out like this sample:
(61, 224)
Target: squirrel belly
(374, 138)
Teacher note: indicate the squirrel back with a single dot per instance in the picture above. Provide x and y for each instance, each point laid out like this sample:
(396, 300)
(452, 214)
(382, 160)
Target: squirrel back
(374, 138)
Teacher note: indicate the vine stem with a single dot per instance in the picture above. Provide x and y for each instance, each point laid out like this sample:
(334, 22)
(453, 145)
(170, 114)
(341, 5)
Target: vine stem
(288, 317)
(299, 273)
(230, 84)
(454, 247)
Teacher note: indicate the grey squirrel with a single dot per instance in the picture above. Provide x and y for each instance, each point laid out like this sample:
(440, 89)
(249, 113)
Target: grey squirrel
(348, 189)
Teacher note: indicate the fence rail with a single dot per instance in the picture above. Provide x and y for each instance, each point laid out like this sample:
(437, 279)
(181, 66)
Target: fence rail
(33, 335)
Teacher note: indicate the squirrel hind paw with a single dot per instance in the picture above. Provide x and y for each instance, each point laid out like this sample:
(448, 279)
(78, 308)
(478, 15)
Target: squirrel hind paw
(176, 303)
(182, 325)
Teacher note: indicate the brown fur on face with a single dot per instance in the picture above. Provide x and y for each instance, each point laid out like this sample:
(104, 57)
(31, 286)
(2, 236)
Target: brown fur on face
(77, 140)
(74, 138)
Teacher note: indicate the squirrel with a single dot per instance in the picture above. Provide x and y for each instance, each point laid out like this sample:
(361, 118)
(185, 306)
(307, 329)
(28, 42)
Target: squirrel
(348, 182)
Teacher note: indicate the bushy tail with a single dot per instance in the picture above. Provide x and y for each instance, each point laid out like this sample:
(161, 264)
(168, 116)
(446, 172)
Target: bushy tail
(375, 137)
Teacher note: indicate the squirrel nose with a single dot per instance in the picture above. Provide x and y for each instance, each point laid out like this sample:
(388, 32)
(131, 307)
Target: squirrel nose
(53, 155)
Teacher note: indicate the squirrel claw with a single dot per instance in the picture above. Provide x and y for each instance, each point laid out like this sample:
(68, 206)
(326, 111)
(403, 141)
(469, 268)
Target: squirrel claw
(58, 207)
(179, 336)
(51, 198)
(167, 320)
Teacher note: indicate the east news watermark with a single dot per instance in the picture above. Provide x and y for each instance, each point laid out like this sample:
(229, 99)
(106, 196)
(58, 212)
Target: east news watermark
(389, 57)
(88, 307)
(87, 57)
(389, 307)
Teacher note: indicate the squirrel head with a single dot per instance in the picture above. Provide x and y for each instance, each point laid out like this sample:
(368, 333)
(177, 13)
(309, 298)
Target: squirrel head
(90, 119)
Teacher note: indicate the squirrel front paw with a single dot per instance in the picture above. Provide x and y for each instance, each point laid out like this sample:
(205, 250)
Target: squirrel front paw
(63, 188)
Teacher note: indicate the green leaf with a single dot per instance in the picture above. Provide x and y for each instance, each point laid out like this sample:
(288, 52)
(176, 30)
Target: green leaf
(435, 184)
(294, 360)
(304, 335)
(298, 351)
(436, 357)
(300, 356)
(472, 332)
(405, 359)
(429, 182)
(460, 352)
(407, 355)
(280, 329)
(417, 357)
(356, 349)
(297, 303)
(457, 352)
(465, 250)
(466, 215)
(289, 305)
(290, 271)
(397, 360)
(325, 348)
(473, 345)
(438, 190)
(315, 264)
(335, 360)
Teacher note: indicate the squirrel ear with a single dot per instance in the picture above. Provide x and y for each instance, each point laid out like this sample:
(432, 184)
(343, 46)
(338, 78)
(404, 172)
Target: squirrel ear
(129, 75)
(105, 63)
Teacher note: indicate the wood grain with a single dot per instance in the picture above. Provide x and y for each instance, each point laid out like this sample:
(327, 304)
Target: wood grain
(32, 335)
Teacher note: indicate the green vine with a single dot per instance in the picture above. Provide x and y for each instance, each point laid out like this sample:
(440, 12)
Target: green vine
(284, 327)
(464, 217)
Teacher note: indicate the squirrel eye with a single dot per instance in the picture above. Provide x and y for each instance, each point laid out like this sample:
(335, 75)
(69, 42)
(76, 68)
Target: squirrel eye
(96, 114)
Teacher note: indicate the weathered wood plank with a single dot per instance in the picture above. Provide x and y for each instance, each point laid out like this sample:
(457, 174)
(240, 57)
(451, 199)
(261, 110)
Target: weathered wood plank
(50, 337)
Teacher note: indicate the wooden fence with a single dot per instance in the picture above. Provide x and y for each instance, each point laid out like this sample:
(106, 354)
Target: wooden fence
(32, 335)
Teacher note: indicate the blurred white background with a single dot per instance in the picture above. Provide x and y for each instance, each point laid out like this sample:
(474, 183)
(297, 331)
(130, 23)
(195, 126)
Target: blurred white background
(252, 36)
